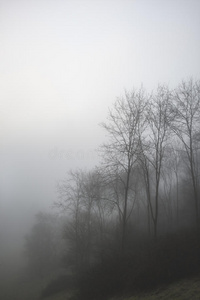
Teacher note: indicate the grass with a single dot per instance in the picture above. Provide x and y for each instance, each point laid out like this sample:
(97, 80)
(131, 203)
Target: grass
(182, 290)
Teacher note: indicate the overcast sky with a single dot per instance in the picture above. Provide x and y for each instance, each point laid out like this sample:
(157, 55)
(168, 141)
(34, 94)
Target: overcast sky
(62, 64)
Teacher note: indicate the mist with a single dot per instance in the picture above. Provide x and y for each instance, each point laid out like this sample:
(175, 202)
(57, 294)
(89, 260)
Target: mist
(63, 67)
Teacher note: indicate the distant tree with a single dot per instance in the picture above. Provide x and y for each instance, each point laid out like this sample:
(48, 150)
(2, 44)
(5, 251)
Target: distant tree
(43, 245)
(82, 197)
(70, 201)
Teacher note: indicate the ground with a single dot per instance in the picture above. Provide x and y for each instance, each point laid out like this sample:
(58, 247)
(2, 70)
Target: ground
(31, 290)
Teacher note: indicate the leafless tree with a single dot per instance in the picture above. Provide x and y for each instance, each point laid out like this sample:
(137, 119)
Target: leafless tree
(120, 153)
(70, 202)
(153, 143)
(186, 125)
(82, 197)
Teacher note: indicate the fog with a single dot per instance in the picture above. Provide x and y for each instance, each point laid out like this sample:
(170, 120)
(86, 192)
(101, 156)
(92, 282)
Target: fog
(62, 66)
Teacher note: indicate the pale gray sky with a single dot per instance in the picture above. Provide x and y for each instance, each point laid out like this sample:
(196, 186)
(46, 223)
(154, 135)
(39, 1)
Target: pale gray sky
(62, 64)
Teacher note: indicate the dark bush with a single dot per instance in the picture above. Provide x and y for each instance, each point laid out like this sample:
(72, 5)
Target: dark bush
(63, 282)
(103, 280)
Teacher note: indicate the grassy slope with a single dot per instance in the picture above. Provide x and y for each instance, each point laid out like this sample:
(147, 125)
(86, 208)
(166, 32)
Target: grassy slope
(182, 290)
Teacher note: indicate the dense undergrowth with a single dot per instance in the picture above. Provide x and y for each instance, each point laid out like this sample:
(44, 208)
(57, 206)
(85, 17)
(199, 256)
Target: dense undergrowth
(168, 268)
(144, 267)
(167, 260)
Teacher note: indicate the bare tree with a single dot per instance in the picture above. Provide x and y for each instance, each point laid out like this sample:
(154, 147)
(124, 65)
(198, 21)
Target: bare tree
(153, 143)
(186, 107)
(82, 196)
(70, 201)
(120, 153)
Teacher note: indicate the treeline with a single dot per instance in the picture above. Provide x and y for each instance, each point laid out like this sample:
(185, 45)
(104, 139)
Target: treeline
(149, 176)
(125, 213)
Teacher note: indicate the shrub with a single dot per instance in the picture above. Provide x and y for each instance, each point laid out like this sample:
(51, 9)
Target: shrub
(63, 282)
